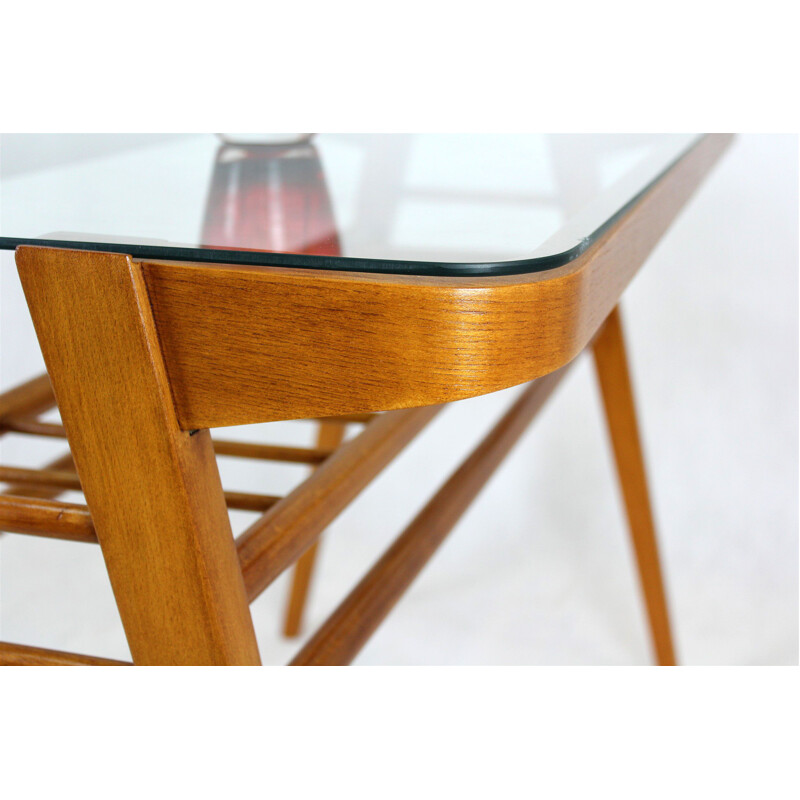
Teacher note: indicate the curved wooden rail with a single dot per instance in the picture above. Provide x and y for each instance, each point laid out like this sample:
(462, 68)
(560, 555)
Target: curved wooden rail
(319, 343)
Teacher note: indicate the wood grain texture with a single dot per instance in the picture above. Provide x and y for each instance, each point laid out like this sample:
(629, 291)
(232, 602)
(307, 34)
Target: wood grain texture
(247, 344)
(50, 518)
(346, 631)
(329, 436)
(153, 489)
(291, 526)
(20, 655)
(613, 375)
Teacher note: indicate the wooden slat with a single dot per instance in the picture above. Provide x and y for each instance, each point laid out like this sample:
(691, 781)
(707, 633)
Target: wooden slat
(283, 534)
(346, 631)
(63, 462)
(247, 501)
(21, 655)
(222, 447)
(31, 425)
(42, 477)
(270, 452)
(49, 518)
(244, 501)
(31, 397)
(23, 423)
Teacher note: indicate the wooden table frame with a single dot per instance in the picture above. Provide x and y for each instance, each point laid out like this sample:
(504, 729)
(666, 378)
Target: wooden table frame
(146, 356)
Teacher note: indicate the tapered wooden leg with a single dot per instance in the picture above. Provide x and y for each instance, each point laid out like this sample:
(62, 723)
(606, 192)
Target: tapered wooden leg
(329, 436)
(615, 385)
(153, 489)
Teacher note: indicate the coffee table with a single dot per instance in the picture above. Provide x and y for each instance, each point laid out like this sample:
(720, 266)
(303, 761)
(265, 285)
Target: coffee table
(182, 284)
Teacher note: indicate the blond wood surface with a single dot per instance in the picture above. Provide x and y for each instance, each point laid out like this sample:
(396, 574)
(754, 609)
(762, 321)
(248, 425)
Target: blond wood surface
(318, 343)
(617, 392)
(20, 655)
(346, 631)
(329, 436)
(291, 526)
(153, 490)
(50, 518)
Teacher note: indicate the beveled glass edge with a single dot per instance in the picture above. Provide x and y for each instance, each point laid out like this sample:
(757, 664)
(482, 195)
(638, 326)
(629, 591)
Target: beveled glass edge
(565, 246)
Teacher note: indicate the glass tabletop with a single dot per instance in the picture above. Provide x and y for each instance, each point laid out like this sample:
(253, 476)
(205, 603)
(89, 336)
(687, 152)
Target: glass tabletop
(419, 204)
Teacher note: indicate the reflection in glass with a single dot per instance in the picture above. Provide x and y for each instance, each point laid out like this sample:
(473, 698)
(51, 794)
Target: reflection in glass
(427, 204)
(270, 197)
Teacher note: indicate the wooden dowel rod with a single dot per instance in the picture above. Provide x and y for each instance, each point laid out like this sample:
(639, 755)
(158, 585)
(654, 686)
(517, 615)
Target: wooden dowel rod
(69, 480)
(265, 452)
(286, 531)
(40, 477)
(20, 655)
(63, 462)
(244, 501)
(269, 452)
(33, 426)
(31, 397)
(49, 518)
(347, 630)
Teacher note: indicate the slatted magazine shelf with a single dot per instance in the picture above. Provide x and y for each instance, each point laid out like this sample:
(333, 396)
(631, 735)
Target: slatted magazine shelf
(29, 504)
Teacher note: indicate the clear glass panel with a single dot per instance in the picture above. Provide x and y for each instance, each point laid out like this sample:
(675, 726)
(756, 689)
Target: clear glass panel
(432, 203)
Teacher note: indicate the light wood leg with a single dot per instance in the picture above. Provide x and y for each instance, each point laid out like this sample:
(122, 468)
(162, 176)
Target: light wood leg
(153, 489)
(329, 436)
(615, 386)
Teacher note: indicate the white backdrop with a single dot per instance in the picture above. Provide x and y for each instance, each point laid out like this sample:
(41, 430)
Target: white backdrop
(539, 571)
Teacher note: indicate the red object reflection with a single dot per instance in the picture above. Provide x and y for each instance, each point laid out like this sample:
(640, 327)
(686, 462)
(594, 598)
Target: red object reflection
(270, 197)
